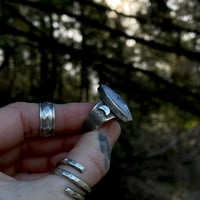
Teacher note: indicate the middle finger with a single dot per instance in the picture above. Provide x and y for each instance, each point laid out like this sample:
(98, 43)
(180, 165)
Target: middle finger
(48, 146)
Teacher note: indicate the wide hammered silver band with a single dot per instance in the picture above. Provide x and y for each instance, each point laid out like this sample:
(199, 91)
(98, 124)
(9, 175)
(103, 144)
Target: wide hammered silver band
(74, 179)
(47, 119)
(99, 115)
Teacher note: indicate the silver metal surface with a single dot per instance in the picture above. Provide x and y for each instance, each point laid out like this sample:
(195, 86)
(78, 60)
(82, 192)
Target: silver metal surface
(73, 164)
(74, 194)
(110, 106)
(74, 179)
(47, 119)
(98, 116)
(115, 103)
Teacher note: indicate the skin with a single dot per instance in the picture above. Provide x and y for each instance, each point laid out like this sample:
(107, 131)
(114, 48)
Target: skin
(27, 161)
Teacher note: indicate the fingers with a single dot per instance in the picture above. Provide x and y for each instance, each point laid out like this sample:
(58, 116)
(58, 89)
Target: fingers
(33, 165)
(91, 146)
(37, 155)
(69, 118)
(5, 178)
(48, 146)
(93, 151)
(20, 120)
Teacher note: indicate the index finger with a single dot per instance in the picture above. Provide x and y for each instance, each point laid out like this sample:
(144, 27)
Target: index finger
(21, 120)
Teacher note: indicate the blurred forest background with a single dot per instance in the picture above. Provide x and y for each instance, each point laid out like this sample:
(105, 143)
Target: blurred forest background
(146, 50)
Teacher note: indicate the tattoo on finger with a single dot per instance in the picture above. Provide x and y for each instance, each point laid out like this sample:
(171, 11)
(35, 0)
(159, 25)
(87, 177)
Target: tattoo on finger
(105, 148)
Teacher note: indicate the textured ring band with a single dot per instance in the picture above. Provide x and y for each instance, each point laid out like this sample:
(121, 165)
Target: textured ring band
(73, 164)
(47, 119)
(77, 181)
(100, 114)
(74, 194)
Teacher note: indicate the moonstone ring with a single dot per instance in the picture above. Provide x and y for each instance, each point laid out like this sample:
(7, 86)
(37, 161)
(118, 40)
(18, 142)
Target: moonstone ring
(110, 106)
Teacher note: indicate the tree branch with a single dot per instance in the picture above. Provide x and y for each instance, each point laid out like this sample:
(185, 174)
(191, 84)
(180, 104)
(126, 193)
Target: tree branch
(48, 8)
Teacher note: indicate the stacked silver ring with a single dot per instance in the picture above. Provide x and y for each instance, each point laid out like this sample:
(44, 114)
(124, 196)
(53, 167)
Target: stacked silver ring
(73, 179)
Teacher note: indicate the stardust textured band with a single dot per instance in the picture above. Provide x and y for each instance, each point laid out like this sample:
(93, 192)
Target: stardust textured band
(71, 177)
(47, 119)
(73, 164)
(74, 194)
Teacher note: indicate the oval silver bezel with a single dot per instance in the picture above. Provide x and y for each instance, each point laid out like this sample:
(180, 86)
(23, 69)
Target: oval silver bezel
(116, 104)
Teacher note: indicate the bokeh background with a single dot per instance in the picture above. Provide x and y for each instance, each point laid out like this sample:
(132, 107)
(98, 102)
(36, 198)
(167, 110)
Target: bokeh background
(146, 50)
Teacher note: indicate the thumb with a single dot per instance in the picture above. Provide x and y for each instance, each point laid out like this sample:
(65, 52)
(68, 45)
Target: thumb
(93, 151)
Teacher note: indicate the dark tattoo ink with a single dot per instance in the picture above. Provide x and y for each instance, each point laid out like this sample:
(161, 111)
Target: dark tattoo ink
(105, 148)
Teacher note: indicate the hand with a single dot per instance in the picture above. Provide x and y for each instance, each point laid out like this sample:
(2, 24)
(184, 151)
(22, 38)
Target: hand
(27, 161)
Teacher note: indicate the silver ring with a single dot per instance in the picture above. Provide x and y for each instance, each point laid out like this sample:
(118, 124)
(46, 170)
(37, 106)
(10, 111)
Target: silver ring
(74, 179)
(47, 119)
(73, 164)
(99, 115)
(74, 194)
(110, 106)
